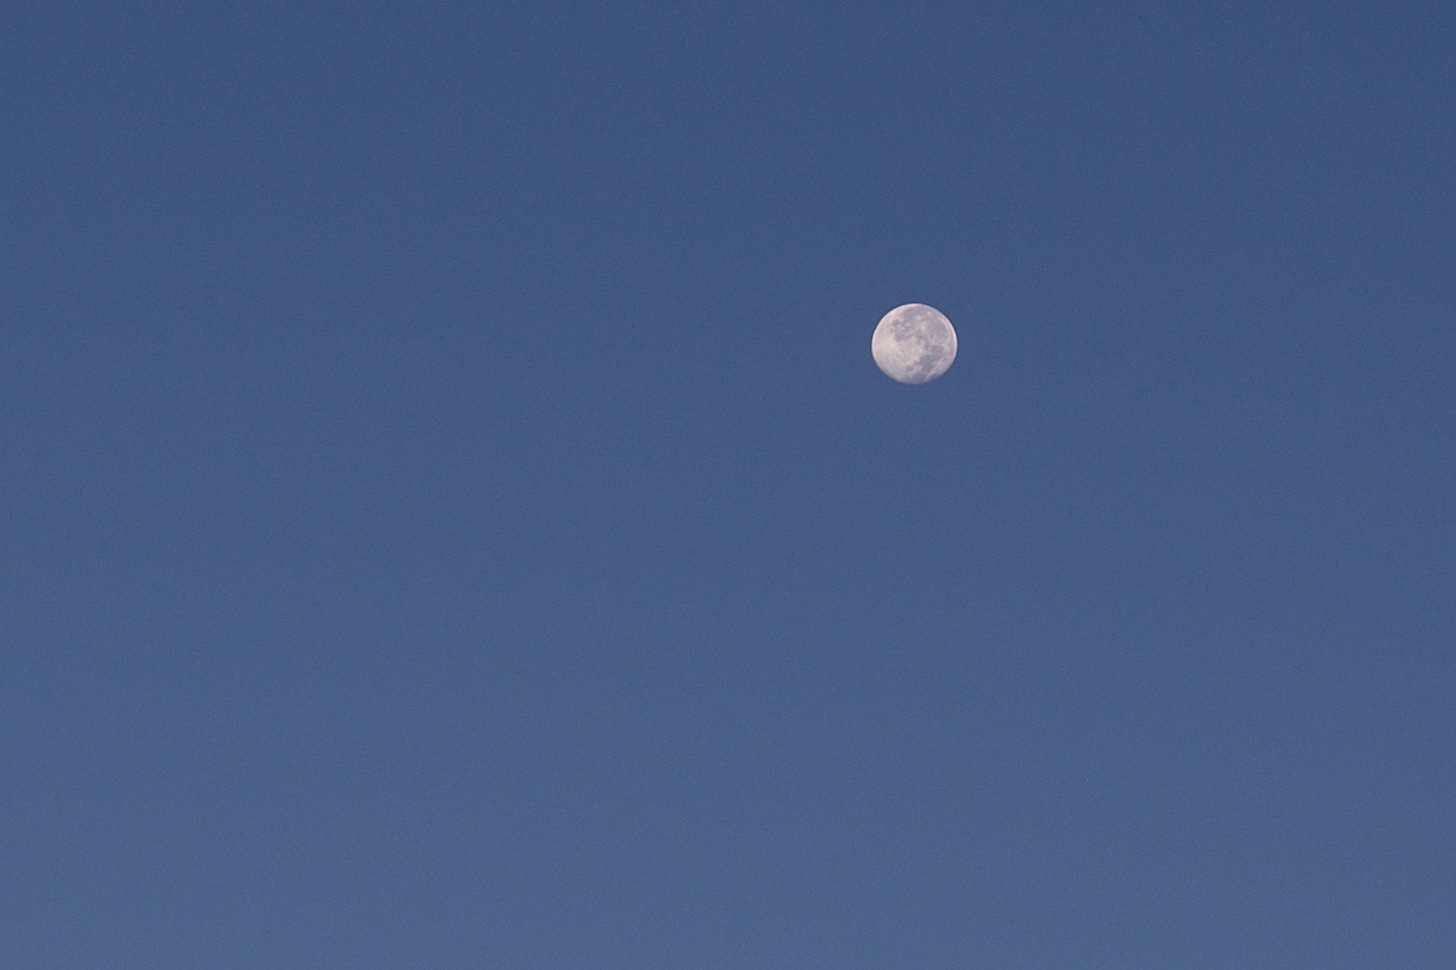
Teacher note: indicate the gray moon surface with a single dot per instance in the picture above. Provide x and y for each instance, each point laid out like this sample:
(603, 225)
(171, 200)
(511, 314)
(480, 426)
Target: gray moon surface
(914, 343)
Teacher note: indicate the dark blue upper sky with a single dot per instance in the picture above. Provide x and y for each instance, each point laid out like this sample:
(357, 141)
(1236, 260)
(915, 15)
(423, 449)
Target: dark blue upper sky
(449, 516)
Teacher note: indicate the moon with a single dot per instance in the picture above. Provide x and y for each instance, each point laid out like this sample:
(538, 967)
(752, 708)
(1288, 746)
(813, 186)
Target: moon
(914, 343)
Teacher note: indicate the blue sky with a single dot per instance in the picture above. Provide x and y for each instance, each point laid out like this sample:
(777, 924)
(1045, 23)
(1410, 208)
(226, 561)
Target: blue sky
(449, 515)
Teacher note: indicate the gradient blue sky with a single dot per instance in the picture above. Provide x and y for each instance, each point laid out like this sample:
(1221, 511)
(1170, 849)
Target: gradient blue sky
(449, 516)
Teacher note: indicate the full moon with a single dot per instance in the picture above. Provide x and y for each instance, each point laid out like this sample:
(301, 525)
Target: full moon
(914, 343)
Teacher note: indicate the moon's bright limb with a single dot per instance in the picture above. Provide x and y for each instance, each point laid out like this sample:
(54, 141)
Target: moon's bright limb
(914, 343)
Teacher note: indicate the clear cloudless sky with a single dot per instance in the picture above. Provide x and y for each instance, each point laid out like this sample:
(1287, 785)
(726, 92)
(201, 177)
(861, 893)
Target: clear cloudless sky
(449, 515)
